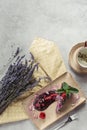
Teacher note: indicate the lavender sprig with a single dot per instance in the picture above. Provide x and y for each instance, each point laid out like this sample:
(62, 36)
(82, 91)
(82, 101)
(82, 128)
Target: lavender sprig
(18, 79)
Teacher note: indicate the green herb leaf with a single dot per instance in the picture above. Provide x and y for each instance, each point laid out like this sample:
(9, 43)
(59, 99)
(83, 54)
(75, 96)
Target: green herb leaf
(65, 86)
(73, 90)
(67, 89)
(60, 90)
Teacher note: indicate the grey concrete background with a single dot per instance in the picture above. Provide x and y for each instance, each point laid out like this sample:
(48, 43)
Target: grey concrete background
(62, 21)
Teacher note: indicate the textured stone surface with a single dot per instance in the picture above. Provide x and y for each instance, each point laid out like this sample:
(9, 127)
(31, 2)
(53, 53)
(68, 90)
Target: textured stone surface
(64, 22)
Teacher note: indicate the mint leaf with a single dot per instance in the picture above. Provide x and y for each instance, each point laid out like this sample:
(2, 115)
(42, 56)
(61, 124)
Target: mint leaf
(73, 90)
(65, 86)
(60, 90)
(67, 89)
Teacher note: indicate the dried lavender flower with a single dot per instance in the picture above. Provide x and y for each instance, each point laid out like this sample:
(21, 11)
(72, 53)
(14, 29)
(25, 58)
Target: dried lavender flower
(18, 79)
